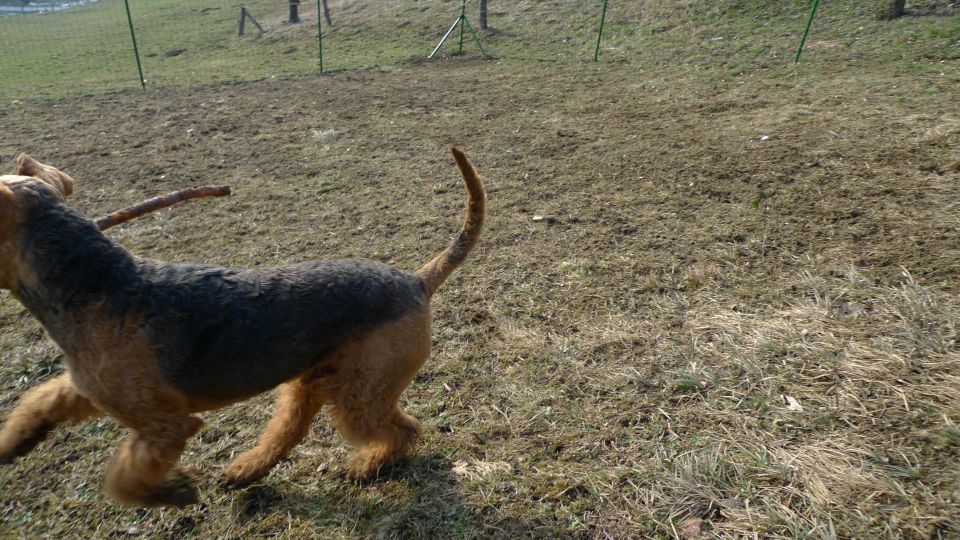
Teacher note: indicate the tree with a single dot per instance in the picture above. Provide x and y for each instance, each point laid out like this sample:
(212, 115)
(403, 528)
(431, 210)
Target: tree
(326, 13)
(483, 14)
(294, 11)
(890, 9)
(897, 8)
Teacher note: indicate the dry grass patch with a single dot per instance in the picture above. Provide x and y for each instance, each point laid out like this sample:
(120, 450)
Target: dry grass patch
(794, 396)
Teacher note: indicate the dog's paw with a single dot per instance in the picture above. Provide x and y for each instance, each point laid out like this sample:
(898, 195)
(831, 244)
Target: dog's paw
(241, 473)
(363, 466)
(179, 491)
(14, 444)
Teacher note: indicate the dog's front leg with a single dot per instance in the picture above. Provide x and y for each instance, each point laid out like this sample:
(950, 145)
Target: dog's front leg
(40, 410)
(142, 473)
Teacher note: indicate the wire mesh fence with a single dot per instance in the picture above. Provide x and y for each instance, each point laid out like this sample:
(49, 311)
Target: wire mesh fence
(77, 46)
(81, 46)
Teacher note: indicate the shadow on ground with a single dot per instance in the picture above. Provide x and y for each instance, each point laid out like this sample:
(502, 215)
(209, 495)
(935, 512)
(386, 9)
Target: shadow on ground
(433, 508)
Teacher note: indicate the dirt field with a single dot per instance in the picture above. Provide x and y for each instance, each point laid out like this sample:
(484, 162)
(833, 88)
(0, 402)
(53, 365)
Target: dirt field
(718, 244)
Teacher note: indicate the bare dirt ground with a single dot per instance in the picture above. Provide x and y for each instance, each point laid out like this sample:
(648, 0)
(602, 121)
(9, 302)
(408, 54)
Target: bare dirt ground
(618, 371)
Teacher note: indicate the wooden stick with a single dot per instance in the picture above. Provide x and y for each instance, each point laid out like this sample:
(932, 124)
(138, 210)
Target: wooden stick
(158, 202)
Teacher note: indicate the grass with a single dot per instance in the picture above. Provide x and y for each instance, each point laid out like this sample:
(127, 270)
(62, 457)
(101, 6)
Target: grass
(717, 335)
(179, 43)
(88, 49)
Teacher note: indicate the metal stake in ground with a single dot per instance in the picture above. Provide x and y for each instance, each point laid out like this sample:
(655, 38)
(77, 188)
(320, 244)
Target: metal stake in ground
(813, 11)
(462, 21)
(320, 33)
(136, 53)
(603, 17)
(463, 16)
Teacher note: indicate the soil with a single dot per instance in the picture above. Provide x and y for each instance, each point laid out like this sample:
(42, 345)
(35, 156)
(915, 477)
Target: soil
(659, 183)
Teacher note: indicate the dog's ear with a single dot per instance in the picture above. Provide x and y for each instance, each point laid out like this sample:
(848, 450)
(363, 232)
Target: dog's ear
(27, 166)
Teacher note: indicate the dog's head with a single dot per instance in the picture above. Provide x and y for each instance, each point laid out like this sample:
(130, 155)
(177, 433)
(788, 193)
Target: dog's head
(34, 183)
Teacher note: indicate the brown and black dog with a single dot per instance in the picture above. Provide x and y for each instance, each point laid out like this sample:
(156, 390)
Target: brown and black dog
(150, 343)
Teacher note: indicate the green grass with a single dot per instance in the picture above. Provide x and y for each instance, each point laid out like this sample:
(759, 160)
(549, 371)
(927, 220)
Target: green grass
(88, 49)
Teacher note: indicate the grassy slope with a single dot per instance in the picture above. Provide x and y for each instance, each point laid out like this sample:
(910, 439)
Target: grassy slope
(621, 372)
(88, 49)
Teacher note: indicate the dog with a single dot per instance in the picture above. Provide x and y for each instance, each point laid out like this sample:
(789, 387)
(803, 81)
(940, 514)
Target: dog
(151, 343)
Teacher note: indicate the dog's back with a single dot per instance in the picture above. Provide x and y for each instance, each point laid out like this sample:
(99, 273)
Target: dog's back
(250, 330)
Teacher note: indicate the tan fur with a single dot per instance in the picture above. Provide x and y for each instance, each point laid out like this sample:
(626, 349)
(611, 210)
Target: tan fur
(55, 401)
(437, 270)
(112, 370)
(9, 218)
(27, 166)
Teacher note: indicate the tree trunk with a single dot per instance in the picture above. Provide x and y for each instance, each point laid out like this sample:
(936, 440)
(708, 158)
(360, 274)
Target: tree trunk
(294, 11)
(326, 13)
(483, 14)
(897, 8)
(890, 9)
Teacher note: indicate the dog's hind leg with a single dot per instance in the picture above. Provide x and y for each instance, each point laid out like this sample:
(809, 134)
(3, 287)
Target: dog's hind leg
(297, 404)
(365, 403)
(40, 410)
(383, 437)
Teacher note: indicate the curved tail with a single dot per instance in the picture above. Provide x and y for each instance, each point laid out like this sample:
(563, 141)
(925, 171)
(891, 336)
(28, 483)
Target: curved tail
(436, 271)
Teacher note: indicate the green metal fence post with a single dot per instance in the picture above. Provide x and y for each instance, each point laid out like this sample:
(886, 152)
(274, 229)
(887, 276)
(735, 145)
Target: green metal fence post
(133, 37)
(463, 17)
(319, 37)
(476, 38)
(813, 11)
(462, 20)
(603, 17)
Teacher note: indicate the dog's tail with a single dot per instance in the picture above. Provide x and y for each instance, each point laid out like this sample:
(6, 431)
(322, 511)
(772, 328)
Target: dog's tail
(437, 270)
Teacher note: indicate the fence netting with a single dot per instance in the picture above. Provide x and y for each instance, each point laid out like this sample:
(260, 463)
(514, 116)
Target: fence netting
(86, 46)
